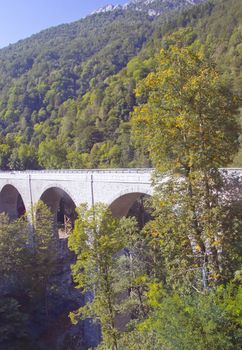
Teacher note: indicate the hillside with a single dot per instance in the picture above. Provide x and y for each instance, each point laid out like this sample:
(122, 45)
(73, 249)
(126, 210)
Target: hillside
(66, 93)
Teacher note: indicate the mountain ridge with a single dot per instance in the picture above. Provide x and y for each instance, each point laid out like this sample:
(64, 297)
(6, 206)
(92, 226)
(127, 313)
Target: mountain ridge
(151, 7)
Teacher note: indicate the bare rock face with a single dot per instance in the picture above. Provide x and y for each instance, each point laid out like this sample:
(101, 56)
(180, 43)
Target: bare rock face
(107, 8)
(151, 7)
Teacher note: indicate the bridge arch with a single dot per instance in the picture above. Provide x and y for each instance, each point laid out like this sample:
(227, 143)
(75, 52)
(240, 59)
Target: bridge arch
(123, 202)
(11, 202)
(63, 207)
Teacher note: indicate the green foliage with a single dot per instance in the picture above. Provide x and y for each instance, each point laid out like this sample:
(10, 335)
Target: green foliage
(65, 101)
(13, 325)
(14, 255)
(28, 258)
(188, 103)
(195, 321)
(52, 154)
(72, 86)
(196, 218)
(13, 245)
(189, 127)
(102, 269)
(44, 251)
(23, 158)
(40, 75)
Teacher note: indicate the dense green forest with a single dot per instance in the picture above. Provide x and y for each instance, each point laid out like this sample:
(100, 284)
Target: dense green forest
(173, 283)
(168, 275)
(67, 93)
(149, 90)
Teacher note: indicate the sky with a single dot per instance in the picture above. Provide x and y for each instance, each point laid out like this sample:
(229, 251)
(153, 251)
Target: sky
(21, 18)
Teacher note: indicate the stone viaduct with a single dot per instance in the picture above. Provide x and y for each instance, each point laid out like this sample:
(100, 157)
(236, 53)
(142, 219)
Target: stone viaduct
(63, 190)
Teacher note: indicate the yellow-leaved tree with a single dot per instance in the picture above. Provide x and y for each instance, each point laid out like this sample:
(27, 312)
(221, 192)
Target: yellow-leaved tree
(187, 121)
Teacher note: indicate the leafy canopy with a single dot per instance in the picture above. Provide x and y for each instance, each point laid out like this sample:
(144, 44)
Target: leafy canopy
(189, 117)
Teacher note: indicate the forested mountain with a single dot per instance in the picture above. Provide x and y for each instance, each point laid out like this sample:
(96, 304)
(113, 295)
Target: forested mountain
(154, 82)
(66, 93)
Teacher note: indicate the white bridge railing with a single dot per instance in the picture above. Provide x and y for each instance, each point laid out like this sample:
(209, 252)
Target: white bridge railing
(81, 171)
(87, 171)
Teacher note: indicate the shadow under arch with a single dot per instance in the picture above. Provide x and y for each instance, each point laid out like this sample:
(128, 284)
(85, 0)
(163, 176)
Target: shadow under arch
(63, 208)
(132, 204)
(11, 202)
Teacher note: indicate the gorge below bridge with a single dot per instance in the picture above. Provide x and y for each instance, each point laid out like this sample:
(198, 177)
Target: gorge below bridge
(64, 190)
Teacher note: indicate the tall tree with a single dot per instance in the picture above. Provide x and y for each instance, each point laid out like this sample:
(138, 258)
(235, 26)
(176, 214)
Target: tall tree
(188, 125)
(14, 255)
(44, 256)
(27, 260)
(189, 118)
(104, 268)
